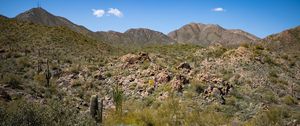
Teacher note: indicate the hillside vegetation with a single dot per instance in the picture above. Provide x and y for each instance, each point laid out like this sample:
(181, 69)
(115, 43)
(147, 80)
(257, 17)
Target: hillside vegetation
(177, 84)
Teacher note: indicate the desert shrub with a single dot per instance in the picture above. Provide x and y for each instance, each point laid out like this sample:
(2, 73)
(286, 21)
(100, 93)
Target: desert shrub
(216, 52)
(246, 45)
(148, 101)
(227, 74)
(289, 100)
(40, 79)
(75, 69)
(77, 83)
(269, 60)
(13, 81)
(259, 47)
(206, 118)
(23, 62)
(231, 101)
(292, 64)
(270, 97)
(108, 74)
(117, 95)
(145, 65)
(197, 86)
(24, 113)
(169, 112)
(273, 117)
(272, 73)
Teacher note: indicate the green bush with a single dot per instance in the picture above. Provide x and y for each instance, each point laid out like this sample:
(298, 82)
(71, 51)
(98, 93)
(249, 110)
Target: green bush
(23, 62)
(289, 100)
(23, 113)
(273, 117)
(13, 81)
(118, 99)
(108, 74)
(272, 73)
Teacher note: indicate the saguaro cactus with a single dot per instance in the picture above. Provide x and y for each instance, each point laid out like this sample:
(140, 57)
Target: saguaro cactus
(94, 105)
(96, 108)
(100, 110)
(48, 74)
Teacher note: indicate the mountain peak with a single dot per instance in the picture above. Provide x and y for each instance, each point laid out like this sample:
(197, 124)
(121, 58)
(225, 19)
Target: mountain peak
(34, 12)
(38, 9)
(41, 16)
(208, 34)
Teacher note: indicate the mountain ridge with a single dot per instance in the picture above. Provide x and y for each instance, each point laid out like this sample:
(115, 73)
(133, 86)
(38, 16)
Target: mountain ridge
(209, 34)
(195, 33)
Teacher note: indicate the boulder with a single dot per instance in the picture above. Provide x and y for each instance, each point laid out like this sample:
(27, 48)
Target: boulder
(130, 58)
(98, 76)
(184, 66)
(4, 95)
(144, 56)
(178, 82)
(163, 77)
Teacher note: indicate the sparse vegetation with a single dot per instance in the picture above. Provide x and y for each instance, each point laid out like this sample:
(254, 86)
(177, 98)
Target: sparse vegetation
(256, 86)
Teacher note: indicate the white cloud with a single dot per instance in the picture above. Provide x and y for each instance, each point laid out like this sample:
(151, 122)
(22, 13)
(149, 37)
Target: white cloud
(219, 9)
(115, 12)
(98, 13)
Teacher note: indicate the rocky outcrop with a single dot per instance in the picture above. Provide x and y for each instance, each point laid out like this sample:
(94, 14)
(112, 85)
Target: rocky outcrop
(129, 59)
(163, 77)
(178, 82)
(209, 34)
(184, 66)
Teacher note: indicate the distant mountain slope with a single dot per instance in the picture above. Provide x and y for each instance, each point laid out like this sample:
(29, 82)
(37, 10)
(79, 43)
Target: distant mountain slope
(208, 34)
(140, 36)
(1, 16)
(41, 16)
(287, 41)
(59, 41)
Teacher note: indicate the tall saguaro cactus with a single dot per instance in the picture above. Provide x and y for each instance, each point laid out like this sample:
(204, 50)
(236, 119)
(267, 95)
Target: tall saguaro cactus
(96, 108)
(48, 74)
(94, 105)
(100, 110)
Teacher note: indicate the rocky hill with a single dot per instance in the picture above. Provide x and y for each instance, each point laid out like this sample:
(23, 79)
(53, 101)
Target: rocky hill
(43, 17)
(209, 34)
(286, 41)
(140, 36)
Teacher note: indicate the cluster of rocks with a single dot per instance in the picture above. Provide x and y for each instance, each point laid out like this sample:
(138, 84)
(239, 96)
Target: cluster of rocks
(178, 82)
(217, 88)
(130, 59)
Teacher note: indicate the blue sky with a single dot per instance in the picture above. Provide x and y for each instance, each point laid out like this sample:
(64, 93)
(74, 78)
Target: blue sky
(259, 17)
